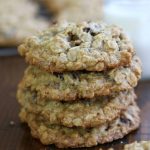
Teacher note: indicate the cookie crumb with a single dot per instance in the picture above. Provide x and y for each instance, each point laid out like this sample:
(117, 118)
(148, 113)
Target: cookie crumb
(142, 145)
(12, 123)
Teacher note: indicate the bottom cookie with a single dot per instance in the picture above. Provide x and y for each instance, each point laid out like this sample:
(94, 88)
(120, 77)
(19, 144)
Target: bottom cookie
(64, 137)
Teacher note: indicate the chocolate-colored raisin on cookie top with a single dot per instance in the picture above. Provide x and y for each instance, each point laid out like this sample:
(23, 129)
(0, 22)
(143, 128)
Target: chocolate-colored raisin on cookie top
(64, 137)
(86, 46)
(84, 114)
(78, 85)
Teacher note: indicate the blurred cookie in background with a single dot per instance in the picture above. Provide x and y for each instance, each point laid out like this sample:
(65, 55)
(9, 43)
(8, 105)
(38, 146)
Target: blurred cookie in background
(18, 20)
(75, 10)
(56, 6)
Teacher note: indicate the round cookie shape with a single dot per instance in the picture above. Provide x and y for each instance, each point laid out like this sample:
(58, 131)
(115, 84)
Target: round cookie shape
(78, 85)
(83, 46)
(86, 114)
(64, 137)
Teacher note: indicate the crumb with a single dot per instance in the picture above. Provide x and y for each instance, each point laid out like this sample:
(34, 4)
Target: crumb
(12, 123)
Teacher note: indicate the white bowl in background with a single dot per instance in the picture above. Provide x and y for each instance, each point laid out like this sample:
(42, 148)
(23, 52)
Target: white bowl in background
(134, 17)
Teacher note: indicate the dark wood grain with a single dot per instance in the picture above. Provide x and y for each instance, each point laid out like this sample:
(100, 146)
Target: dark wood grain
(17, 136)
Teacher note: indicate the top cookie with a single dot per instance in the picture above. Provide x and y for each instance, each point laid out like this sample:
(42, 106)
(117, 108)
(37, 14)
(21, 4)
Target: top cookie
(86, 46)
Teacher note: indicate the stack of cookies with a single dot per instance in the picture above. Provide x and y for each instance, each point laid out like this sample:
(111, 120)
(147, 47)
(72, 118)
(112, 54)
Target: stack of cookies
(78, 90)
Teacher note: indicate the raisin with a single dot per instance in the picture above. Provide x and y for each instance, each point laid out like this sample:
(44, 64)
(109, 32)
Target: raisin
(108, 127)
(73, 37)
(75, 75)
(60, 76)
(125, 120)
(86, 30)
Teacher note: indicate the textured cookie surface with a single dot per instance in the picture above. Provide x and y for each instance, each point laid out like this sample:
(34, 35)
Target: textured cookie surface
(78, 137)
(142, 145)
(77, 85)
(17, 23)
(83, 113)
(85, 46)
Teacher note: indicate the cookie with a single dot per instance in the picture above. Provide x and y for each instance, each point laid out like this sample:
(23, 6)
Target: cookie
(70, 47)
(87, 113)
(142, 145)
(17, 23)
(73, 10)
(64, 137)
(78, 85)
(57, 6)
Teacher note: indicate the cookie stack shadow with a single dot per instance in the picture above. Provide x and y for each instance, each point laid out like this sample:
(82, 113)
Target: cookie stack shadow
(78, 90)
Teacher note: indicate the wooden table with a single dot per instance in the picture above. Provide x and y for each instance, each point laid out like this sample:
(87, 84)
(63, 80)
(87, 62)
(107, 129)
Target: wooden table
(16, 136)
